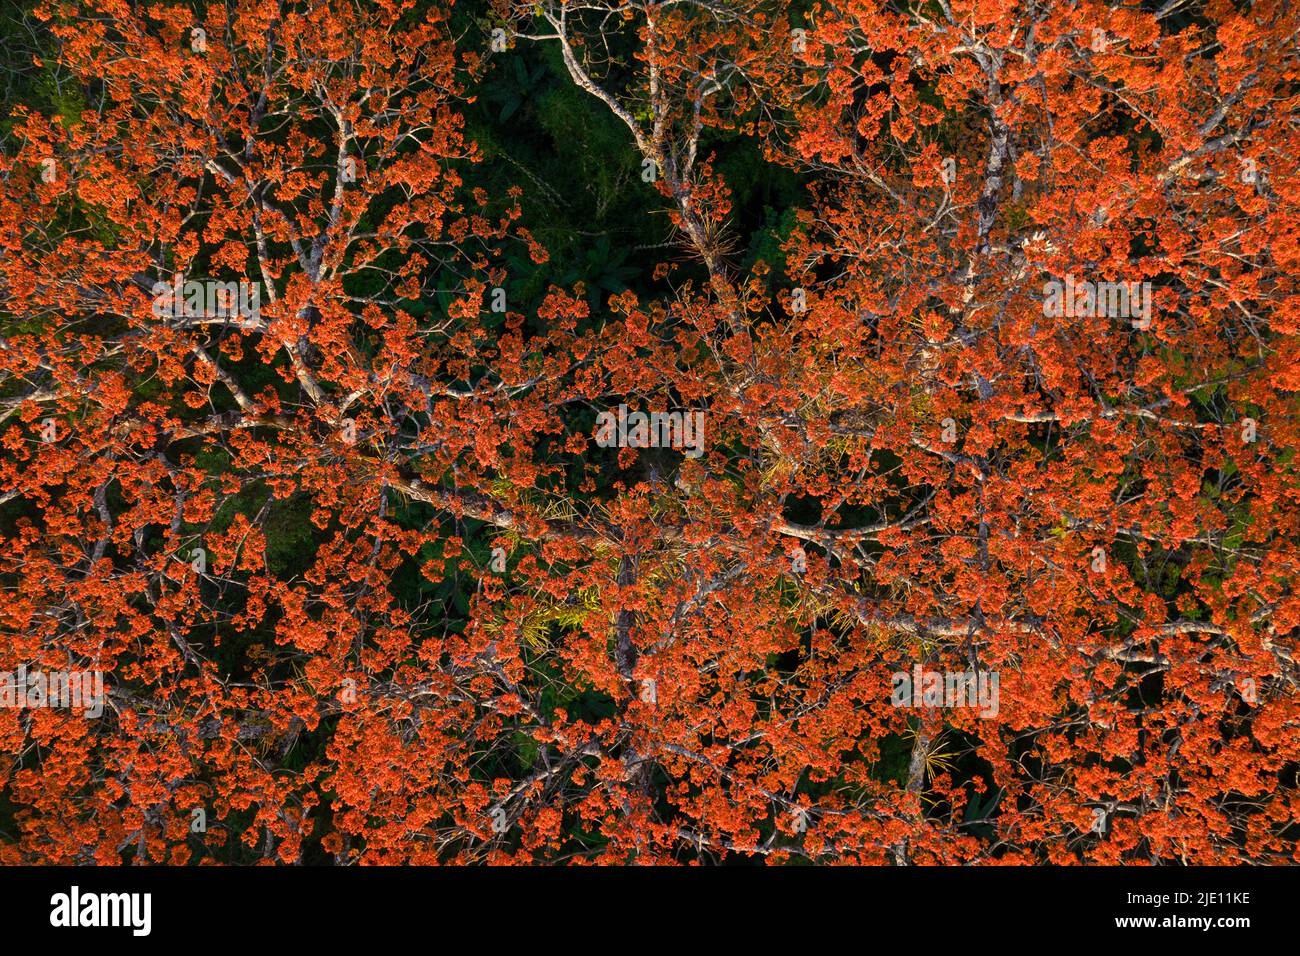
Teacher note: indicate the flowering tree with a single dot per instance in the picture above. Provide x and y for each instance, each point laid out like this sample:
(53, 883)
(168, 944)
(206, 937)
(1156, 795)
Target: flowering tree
(972, 539)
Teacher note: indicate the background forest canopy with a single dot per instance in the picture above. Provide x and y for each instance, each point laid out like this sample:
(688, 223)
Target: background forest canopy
(364, 589)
